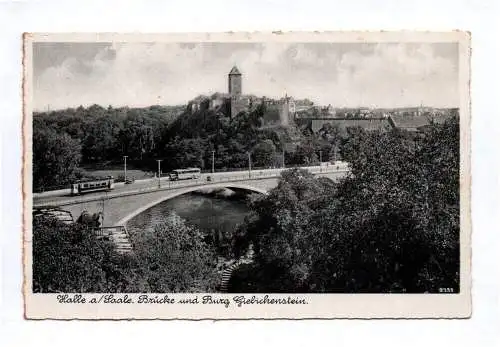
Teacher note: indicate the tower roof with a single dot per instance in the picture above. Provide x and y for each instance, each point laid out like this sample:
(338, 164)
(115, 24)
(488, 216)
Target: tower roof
(234, 71)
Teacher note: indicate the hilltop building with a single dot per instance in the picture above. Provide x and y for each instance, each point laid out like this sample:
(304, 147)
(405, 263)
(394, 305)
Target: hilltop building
(234, 81)
(238, 103)
(287, 110)
(230, 103)
(234, 101)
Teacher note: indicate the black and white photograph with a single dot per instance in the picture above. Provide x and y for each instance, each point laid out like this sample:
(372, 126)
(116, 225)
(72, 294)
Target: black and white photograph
(250, 168)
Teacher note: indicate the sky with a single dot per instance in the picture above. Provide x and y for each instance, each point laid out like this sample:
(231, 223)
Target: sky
(340, 74)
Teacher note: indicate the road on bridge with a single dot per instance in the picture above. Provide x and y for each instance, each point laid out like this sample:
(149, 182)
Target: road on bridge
(60, 197)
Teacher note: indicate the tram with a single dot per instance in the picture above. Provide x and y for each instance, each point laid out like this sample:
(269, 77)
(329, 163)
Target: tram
(92, 185)
(185, 174)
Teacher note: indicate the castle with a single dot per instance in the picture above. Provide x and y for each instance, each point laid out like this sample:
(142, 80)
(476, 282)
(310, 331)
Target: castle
(234, 101)
(238, 102)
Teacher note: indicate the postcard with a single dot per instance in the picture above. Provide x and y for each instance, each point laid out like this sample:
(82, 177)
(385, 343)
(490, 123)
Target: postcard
(277, 175)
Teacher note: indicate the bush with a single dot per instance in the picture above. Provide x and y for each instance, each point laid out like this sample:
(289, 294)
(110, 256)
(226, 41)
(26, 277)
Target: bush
(174, 258)
(69, 258)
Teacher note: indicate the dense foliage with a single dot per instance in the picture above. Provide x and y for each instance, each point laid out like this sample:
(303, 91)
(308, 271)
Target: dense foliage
(69, 258)
(56, 157)
(391, 226)
(94, 135)
(175, 258)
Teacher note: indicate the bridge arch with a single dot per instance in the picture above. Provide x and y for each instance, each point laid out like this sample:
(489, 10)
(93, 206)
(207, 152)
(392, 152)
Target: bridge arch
(172, 194)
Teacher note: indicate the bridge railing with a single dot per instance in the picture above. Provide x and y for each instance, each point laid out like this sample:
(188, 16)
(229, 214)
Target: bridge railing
(241, 176)
(203, 181)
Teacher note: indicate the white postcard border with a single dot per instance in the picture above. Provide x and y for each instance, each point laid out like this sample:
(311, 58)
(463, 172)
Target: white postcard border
(42, 306)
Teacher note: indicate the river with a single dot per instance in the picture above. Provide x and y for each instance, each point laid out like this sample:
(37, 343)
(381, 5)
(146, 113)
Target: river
(206, 211)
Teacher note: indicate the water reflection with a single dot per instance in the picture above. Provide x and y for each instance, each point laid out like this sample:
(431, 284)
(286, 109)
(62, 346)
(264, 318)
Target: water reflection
(206, 212)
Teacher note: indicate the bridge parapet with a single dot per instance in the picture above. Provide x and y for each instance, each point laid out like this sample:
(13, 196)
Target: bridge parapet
(169, 185)
(119, 207)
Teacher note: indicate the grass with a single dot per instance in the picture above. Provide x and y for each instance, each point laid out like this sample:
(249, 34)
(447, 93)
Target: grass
(117, 172)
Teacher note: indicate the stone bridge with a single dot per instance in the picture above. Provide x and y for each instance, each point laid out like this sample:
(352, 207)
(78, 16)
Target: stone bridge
(126, 202)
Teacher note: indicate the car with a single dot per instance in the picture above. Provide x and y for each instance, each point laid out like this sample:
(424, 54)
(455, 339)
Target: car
(209, 178)
(129, 181)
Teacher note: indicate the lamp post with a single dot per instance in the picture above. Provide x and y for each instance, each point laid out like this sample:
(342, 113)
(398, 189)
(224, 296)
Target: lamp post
(103, 200)
(103, 207)
(213, 161)
(125, 167)
(320, 160)
(335, 156)
(159, 173)
(249, 165)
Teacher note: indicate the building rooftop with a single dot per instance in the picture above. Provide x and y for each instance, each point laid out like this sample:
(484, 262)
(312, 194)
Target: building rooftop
(440, 119)
(343, 124)
(234, 71)
(409, 122)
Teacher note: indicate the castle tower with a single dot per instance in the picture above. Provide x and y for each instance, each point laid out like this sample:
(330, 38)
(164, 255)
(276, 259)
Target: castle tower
(234, 82)
(234, 86)
(284, 111)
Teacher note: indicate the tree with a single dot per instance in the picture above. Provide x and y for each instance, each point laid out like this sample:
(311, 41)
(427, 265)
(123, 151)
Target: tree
(137, 139)
(182, 153)
(69, 259)
(351, 143)
(306, 154)
(175, 258)
(395, 220)
(56, 157)
(392, 225)
(222, 159)
(171, 258)
(281, 233)
(100, 140)
(264, 153)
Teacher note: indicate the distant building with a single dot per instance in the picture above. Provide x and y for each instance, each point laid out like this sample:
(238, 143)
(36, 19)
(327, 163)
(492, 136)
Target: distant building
(234, 101)
(230, 103)
(287, 110)
(218, 99)
(199, 103)
(305, 103)
(234, 82)
(316, 124)
(364, 113)
(238, 103)
(415, 123)
(270, 102)
(303, 110)
(284, 111)
(330, 110)
(291, 106)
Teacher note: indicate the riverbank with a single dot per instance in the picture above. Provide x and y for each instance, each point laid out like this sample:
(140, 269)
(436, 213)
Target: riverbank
(216, 213)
